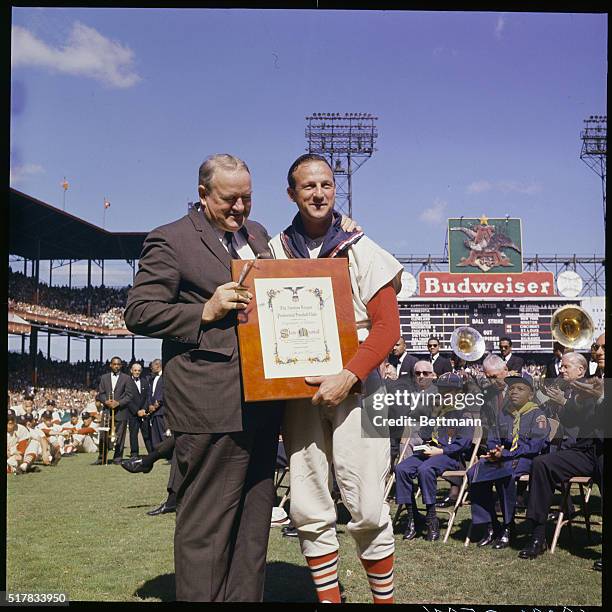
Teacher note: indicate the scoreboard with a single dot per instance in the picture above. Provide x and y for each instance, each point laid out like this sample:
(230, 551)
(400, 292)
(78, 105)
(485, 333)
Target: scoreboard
(526, 323)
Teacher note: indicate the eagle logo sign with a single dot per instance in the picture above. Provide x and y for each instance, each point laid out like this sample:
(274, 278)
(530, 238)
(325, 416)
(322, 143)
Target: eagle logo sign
(486, 244)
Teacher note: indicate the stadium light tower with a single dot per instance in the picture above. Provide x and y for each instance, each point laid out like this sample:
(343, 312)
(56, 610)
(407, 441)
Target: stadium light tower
(594, 150)
(347, 141)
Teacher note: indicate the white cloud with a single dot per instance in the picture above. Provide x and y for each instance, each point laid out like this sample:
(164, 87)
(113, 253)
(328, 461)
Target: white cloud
(21, 172)
(500, 25)
(504, 187)
(435, 214)
(479, 187)
(87, 53)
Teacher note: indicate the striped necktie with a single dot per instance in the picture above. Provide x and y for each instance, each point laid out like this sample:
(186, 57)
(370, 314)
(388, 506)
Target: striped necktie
(229, 242)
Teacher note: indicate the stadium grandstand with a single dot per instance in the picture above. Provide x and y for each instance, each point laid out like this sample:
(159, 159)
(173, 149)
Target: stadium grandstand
(38, 232)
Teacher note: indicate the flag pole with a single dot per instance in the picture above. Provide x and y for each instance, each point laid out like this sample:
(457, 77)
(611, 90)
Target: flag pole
(65, 188)
(104, 214)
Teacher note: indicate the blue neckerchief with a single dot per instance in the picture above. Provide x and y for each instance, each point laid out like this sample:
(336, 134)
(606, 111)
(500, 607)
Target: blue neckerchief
(335, 241)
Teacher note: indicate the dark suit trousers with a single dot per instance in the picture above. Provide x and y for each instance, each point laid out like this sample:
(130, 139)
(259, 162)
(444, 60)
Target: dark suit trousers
(137, 424)
(225, 500)
(158, 430)
(549, 471)
(120, 431)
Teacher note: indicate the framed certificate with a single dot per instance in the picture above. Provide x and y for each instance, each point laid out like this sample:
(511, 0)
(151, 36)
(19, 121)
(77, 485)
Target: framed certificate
(299, 323)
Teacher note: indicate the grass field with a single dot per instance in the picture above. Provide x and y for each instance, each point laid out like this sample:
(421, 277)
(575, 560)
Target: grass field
(83, 530)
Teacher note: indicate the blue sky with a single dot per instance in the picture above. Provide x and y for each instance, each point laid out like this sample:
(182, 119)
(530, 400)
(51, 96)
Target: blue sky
(478, 113)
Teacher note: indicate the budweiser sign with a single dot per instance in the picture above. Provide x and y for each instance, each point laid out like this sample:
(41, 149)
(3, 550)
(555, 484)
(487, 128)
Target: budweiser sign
(525, 284)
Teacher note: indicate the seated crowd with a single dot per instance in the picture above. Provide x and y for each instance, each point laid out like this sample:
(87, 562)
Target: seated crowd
(96, 306)
(545, 431)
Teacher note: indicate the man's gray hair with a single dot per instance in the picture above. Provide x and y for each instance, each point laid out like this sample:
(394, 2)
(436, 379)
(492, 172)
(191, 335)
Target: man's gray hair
(577, 358)
(427, 363)
(219, 160)
(494, 363)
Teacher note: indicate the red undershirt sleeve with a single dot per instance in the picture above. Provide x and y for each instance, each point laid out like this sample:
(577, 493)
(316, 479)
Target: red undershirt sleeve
(384, 314)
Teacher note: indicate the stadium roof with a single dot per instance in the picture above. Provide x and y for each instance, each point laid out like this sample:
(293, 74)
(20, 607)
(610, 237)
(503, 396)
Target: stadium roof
(41, 231)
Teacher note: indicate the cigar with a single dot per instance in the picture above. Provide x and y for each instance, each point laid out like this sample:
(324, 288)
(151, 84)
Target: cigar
(247, 269)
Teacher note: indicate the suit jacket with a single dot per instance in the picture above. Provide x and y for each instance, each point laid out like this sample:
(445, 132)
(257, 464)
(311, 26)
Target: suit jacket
(551, 372)
(515, 363)
(123, 393)
(441, 365)
(139, 398)
(407, 367)
(158, 396)
(180, 267)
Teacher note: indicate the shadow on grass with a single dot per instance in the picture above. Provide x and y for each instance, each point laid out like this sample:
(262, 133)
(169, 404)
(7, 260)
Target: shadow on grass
(161, 587)
(286, 582)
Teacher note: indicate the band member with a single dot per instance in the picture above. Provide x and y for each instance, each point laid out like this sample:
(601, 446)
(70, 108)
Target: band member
(138, 410)
(447, 447)
(520, 434)
(155, 401)
(115, 394)
(330, 432)
(225, 449)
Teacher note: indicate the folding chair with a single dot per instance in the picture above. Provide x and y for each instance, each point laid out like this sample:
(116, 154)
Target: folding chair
(476, 438)
(554, 426)
(585, 484)
(391, 478)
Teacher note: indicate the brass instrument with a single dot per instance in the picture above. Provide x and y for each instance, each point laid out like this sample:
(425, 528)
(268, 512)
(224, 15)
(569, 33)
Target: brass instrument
(572, 326)
(107, 431)
(113, 435)
(467, 343)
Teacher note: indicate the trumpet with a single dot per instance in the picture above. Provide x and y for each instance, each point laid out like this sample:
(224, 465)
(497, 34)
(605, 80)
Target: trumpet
(467, 343)
(572, 326)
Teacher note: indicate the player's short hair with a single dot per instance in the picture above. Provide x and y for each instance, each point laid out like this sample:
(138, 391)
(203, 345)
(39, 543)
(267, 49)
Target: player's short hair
(304, 159)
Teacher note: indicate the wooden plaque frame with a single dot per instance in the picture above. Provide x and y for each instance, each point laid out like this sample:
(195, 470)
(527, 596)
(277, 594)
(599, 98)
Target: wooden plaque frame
(255, 386)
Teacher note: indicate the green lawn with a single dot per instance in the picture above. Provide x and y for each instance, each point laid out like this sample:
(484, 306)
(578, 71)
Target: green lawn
(83, 530)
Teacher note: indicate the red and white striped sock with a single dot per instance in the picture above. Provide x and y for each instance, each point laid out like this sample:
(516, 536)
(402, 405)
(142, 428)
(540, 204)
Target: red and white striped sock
(324, 570)
(380, 577)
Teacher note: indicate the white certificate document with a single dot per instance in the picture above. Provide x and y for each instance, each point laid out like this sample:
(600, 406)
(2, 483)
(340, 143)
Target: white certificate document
(297, 326)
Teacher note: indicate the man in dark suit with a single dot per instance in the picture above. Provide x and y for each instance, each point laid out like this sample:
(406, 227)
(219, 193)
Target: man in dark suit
(115, 394)
(514, 363)
(155, 402)
(553, 367)
(400, 358)
(138, 418)
(225, 449)
(441, 365)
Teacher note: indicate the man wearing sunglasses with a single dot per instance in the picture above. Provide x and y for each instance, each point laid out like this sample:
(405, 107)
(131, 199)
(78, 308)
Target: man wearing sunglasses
(440, 364)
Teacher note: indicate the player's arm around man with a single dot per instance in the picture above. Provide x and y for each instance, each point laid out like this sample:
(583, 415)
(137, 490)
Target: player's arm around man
(330, 426)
